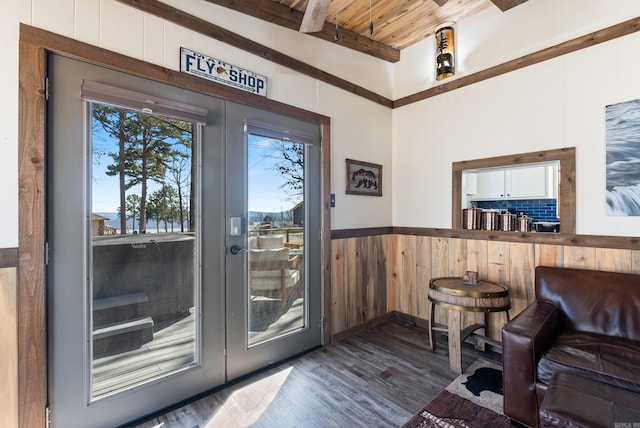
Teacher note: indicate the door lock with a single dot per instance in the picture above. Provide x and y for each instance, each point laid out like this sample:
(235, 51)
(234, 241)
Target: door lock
(235, 249)
(235, 226)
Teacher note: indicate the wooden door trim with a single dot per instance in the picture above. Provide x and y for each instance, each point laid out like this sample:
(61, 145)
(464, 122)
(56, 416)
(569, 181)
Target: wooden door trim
(31, 307)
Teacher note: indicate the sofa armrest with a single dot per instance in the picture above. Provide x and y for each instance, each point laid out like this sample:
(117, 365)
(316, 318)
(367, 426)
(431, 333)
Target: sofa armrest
(523, 340)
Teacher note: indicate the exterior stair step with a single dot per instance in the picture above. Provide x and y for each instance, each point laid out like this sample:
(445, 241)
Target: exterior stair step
(117, 301)
(101, 332)
(116, 309)
(122, 336)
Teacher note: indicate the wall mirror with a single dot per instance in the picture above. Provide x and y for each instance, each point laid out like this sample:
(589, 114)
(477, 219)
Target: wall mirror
(519, 183)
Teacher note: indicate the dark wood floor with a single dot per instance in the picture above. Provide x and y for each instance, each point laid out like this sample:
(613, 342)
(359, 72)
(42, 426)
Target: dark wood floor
(378, 377)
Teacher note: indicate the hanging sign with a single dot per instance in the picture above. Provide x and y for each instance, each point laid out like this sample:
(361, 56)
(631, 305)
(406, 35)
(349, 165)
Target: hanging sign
(213, 69)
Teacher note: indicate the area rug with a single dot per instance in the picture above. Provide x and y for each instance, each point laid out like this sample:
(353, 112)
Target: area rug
(472, 400)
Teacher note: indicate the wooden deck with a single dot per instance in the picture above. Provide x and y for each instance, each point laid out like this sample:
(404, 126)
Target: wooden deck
(378, 377)
(173, 346)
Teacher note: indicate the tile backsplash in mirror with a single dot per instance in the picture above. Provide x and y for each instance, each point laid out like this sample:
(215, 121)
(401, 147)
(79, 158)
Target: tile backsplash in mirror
(538, 209)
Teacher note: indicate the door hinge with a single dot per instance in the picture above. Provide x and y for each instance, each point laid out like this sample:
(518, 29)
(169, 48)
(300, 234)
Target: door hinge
(48, 413)
(46, 254)
(46, 88)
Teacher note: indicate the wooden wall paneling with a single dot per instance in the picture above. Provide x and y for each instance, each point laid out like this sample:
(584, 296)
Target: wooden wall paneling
(360, 295)
(393, 273)
(635, 261)
(423, 275)
(497, 270)
(350, 283)
(549, 255)
(355, 282)
(579, 257)
(439, 257)
(378, 298)
(391, 246)
(406, 274)
(521, 276)
(477, 260)
(614, 260)
(498, 261)
(392, 282)
(477, 257)
(440, 268)
(458, 258)
(9, 346)
(338, 286)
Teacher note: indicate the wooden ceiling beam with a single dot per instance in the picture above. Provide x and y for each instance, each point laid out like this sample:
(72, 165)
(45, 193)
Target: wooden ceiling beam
(314, 16)
(199, 25)
(276, 13)
(505, 5)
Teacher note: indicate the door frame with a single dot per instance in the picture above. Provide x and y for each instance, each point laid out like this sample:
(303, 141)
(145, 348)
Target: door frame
(34, 46)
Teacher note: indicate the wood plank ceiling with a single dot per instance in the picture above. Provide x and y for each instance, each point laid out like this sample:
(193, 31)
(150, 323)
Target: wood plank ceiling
(396, 24)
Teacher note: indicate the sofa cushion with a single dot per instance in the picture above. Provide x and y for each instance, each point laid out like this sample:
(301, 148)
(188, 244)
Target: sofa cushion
(270, 242)
(263, 281)
(266, 256)
(574, 401)
(612, 360)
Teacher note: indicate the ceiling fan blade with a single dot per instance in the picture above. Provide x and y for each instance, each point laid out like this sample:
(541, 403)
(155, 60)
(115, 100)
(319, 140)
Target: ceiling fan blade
(314, 16)
(440, 2)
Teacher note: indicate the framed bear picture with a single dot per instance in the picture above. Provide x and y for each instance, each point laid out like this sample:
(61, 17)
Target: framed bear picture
(364, 178)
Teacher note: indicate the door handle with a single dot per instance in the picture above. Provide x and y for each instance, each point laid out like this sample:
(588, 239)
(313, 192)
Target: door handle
(235, 249)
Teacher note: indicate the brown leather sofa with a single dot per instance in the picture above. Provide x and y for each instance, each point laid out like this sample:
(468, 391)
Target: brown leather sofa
(584, 323)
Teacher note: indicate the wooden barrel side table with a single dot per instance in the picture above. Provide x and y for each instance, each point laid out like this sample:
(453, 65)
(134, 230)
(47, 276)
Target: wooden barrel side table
(456, 295)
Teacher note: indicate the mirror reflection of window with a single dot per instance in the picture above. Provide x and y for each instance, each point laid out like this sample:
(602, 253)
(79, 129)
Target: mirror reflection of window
(529, 190)
(467, 189)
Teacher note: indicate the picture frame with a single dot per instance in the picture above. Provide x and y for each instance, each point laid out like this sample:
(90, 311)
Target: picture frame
(363, 178)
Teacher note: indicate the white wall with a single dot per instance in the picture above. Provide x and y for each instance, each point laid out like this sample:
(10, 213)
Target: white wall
(558, 103)
(12, 13)
(493, 37)
(360, 129)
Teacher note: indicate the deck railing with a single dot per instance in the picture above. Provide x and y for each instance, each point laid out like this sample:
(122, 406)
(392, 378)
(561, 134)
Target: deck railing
(293, 235)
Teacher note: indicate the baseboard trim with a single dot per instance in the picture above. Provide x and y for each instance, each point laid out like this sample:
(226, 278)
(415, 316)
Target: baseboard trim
(368, 324)
(393, 316)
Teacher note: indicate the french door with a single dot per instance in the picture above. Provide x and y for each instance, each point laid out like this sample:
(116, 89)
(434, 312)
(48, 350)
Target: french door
(274, 274)
(169, 270)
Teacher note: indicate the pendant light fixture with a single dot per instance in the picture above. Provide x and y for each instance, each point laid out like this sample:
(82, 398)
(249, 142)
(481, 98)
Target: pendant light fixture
(445, 53)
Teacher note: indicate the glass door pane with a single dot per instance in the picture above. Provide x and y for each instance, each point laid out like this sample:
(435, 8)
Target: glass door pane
(143, 254)
(276, 242)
